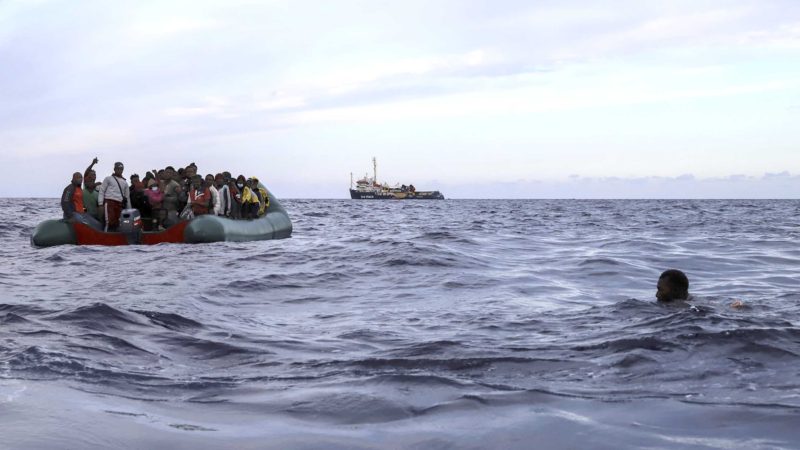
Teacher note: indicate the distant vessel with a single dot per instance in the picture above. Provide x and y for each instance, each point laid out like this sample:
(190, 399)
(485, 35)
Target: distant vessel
(369, 189)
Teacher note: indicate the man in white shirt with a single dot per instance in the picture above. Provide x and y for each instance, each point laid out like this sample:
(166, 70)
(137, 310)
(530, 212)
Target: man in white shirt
(214, 194)
(114, 196)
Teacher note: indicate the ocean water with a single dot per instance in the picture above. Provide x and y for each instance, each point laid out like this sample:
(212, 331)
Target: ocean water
(442, 324)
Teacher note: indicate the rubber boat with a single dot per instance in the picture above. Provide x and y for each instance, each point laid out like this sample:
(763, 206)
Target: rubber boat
(275, 224)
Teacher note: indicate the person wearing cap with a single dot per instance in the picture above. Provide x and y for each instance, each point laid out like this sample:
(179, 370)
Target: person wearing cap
(114, 196)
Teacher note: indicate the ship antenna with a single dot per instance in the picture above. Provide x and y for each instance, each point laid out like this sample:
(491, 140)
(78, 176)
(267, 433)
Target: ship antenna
(374, 170)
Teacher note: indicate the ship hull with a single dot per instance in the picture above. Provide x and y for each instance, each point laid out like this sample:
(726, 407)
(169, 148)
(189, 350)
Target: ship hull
(390, 195)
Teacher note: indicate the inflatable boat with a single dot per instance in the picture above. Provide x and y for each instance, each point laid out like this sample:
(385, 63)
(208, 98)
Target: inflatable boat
(275, 224)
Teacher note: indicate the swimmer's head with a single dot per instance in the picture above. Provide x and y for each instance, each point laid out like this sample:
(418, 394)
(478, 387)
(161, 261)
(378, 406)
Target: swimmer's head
(672, 285)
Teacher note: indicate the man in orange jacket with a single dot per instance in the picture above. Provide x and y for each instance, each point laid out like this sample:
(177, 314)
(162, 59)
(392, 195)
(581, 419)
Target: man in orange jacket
(72, 197)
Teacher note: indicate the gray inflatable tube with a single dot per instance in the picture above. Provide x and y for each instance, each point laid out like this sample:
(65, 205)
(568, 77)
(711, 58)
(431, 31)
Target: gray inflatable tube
(273, 225)
(202, 229)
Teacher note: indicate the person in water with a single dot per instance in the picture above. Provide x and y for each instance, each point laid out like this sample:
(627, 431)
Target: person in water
(72, 197)
(114, 196)
(672, 285)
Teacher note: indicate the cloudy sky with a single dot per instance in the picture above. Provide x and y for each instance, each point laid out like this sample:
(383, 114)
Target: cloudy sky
(605, 98)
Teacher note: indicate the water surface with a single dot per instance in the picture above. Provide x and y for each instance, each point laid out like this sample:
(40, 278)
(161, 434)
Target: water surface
(414, 324)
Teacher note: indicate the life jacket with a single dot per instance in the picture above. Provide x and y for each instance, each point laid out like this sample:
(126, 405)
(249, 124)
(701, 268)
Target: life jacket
(263, 198)
(200, 201)
(249, 196)
(77, 200)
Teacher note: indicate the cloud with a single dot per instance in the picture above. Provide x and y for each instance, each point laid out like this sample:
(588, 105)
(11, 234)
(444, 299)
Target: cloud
(64, 140)
(160, 29)
(687, 186)
(361, 85)
(525, 99)
(208, 106)
(786, 36)
(597, 88)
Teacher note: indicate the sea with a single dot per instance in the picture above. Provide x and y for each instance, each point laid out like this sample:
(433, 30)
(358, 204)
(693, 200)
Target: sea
(455, 324)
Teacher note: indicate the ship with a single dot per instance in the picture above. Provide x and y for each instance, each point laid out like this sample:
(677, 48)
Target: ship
(368, 188)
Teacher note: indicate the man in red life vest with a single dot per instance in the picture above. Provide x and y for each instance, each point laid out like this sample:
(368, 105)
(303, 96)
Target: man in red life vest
(200, 197)
(72, 197)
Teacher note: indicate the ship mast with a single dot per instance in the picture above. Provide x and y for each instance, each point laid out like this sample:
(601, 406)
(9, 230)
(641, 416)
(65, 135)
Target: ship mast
(374, 170)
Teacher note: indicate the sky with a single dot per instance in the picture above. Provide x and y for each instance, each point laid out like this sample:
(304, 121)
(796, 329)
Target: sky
(478, 99)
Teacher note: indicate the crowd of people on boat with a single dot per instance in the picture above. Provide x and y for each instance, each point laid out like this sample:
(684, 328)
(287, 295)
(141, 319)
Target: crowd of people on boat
(163, 197)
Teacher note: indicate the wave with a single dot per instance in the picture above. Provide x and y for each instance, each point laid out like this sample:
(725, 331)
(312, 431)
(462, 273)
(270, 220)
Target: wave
(413, 307)
(170, 321)
(98, 316)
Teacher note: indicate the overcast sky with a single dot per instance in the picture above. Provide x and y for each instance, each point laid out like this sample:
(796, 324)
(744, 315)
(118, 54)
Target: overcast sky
(605, 98)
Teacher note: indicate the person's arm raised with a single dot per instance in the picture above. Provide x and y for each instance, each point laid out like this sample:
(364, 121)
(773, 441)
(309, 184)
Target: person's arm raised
(88, 169)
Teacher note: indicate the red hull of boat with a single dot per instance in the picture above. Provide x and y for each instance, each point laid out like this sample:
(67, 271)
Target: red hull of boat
(86, 235)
